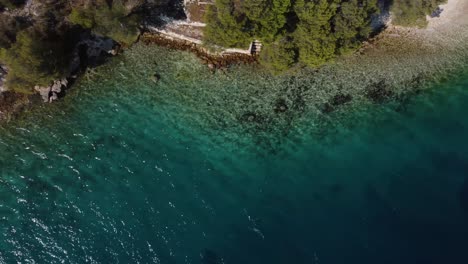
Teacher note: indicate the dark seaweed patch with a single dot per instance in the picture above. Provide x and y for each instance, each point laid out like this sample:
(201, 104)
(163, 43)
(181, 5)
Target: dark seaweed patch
(281, 106)
(337, 100)
(252, 117)
(379, 92)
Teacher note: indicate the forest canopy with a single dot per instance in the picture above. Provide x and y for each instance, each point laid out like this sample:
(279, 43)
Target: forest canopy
(114, 19)
(306, 32)
(36, 45)
(301, 31)
(37, 49)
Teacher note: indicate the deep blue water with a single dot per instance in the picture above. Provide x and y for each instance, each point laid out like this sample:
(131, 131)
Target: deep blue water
(203, 168)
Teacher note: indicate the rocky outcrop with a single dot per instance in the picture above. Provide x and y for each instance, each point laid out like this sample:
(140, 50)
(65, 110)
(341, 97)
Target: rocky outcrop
(51, 93)
(92, 51)
(3, 73)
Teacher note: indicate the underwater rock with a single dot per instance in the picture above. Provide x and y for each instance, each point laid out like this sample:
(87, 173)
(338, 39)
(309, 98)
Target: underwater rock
(337, 100)
(341, 99)
(252, 117)
(378, 92)
(156, 77)
(281, 106)
(327, 108)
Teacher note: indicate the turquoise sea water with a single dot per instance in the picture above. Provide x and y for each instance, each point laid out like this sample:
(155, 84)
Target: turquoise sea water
(234, 167)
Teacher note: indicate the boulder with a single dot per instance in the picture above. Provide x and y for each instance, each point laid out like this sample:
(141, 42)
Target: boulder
(56, 87)
(51, 93)
(3, 73)
(44, 92)
(92, 51)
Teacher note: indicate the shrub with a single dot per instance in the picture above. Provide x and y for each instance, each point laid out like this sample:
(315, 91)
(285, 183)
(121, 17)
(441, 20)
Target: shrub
(413, 12)
(115, 21)
(33, 60)
(278, 56)
(317, 29)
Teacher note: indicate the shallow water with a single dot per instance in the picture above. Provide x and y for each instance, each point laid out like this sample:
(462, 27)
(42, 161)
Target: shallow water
(234, 167)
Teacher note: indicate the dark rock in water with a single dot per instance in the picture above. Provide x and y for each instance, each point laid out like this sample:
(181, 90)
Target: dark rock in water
(379, 92)
(463, 196)
(341, 99)
(281, 106)
(251, 117)
(327, 108)
(156, 77)
(210, 257)
(337, 100)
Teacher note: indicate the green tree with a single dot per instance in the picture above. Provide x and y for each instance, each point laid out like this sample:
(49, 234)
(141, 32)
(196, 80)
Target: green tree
(9, 27)
(278, 56)
(33, 60)
(413, 12)
(225, 26)
(352, 23)
(116, 21)
(313, 37)
(266, 18)
(317, 30)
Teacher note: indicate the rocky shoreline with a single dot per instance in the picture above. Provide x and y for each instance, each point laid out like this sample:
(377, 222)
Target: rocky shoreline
(94, 50)
(211, 59)
(91, 51)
